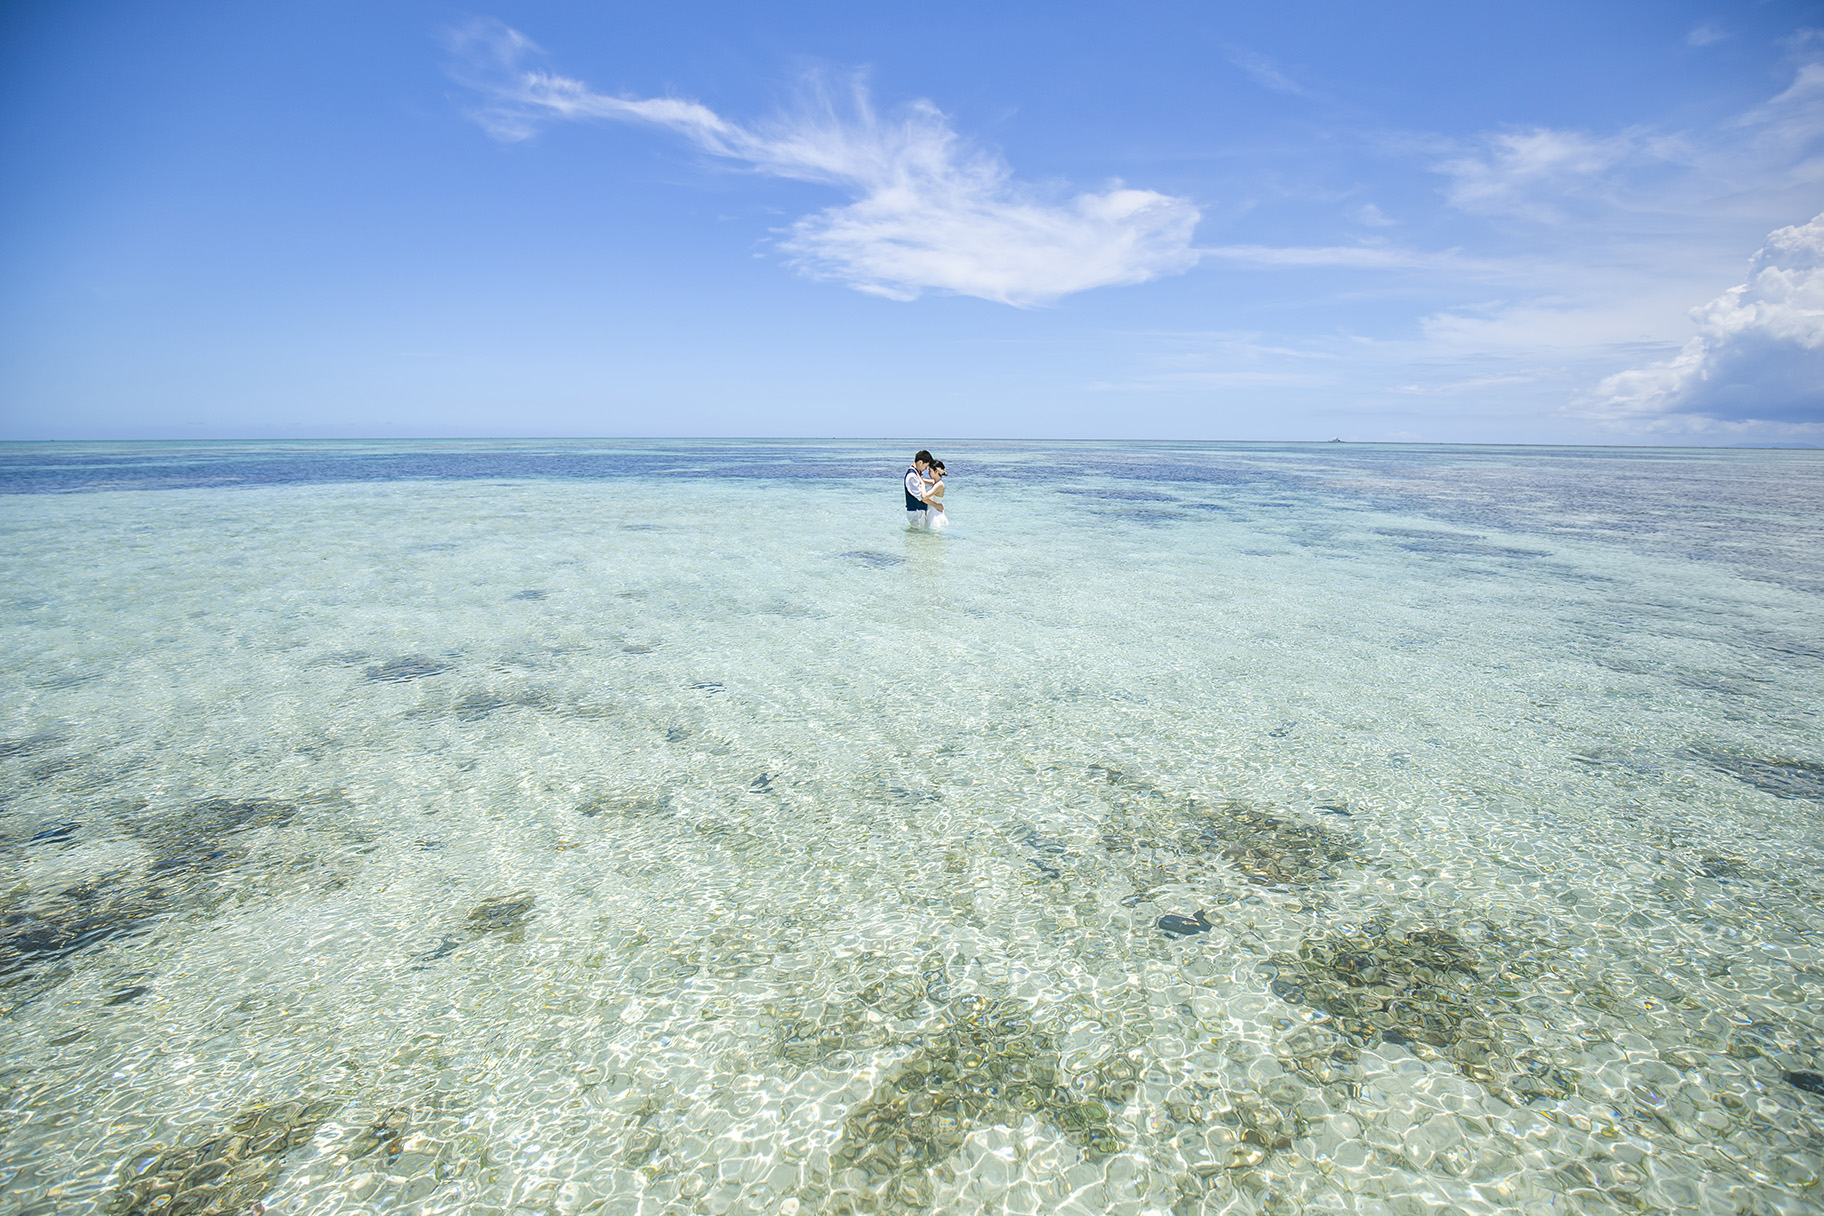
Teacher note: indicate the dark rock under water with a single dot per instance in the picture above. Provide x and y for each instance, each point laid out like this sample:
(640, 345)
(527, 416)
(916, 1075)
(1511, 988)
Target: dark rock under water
(54, 833)
(197, 858)
(478, 705)
(407, 667)
(1030, 837)
(1783, 778)
(1142, 515)
(221, 1175)
(75, 917)
(1185, 926)
(1265, 845)
(218, 815)
(1271, 848)
(1810, 1082)
(985, 1064)
(198, 840)
(1049, 851)
(30, 745)
(1431, 992)
(504, 914)
(1118, 494)
(1423, 540)
(1712, 865)
(636, 806)
(190, 846)
(869, 557)
(385, 1134)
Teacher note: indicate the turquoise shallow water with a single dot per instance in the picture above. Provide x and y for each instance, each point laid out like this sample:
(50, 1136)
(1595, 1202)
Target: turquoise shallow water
(661, 827)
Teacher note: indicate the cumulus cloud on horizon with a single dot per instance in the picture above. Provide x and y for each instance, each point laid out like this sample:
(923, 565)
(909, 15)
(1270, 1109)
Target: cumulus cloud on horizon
(929, 212)
(1758, 356)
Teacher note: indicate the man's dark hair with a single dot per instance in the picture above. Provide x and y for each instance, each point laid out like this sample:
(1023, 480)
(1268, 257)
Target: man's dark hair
(923, 455)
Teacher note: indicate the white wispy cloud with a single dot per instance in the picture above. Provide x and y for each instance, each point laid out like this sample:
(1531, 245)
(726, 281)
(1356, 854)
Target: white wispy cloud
(930, 211)
(1165, 382)
(1758, 356)
(1359, 257)
(1576, 254)
(1770, 157)
(1462, 387)
(1264, 72)
(1788, 125)
(1532, 172)
(1376, 257)
(1704, 35)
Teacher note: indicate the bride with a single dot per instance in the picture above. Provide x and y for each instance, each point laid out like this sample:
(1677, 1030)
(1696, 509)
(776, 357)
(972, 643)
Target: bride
(934, 496)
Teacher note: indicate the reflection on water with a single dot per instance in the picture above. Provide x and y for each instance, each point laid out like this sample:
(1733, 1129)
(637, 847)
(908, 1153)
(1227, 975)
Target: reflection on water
(652, 827)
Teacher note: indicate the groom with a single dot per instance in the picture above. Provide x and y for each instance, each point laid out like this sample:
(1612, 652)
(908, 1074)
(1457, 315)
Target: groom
(917, 510)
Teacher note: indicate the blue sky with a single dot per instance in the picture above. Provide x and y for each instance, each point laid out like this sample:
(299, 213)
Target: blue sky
(1550, 222)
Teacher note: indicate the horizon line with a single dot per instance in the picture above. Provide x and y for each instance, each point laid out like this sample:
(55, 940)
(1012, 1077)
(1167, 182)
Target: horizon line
(1435, 443)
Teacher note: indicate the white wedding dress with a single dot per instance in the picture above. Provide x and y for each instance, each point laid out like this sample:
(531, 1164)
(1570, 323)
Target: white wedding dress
(934, 518)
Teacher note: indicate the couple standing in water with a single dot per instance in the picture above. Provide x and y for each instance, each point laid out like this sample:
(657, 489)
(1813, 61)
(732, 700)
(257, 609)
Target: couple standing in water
(925, 492)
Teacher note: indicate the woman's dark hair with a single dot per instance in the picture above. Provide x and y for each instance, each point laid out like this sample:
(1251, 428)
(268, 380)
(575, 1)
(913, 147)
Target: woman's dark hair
(936, 464)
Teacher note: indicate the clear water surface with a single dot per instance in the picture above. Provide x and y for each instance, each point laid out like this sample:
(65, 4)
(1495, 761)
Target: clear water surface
(660, 827)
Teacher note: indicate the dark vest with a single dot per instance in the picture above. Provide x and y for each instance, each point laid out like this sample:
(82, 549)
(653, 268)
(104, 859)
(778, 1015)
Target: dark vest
(913, 504)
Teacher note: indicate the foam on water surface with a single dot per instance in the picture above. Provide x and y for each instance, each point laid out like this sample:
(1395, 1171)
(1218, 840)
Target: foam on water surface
(657, 827)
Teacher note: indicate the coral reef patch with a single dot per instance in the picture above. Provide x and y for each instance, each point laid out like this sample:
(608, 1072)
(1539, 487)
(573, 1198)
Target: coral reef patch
(1431, 992)
(223, 1174)
(985, 1064)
